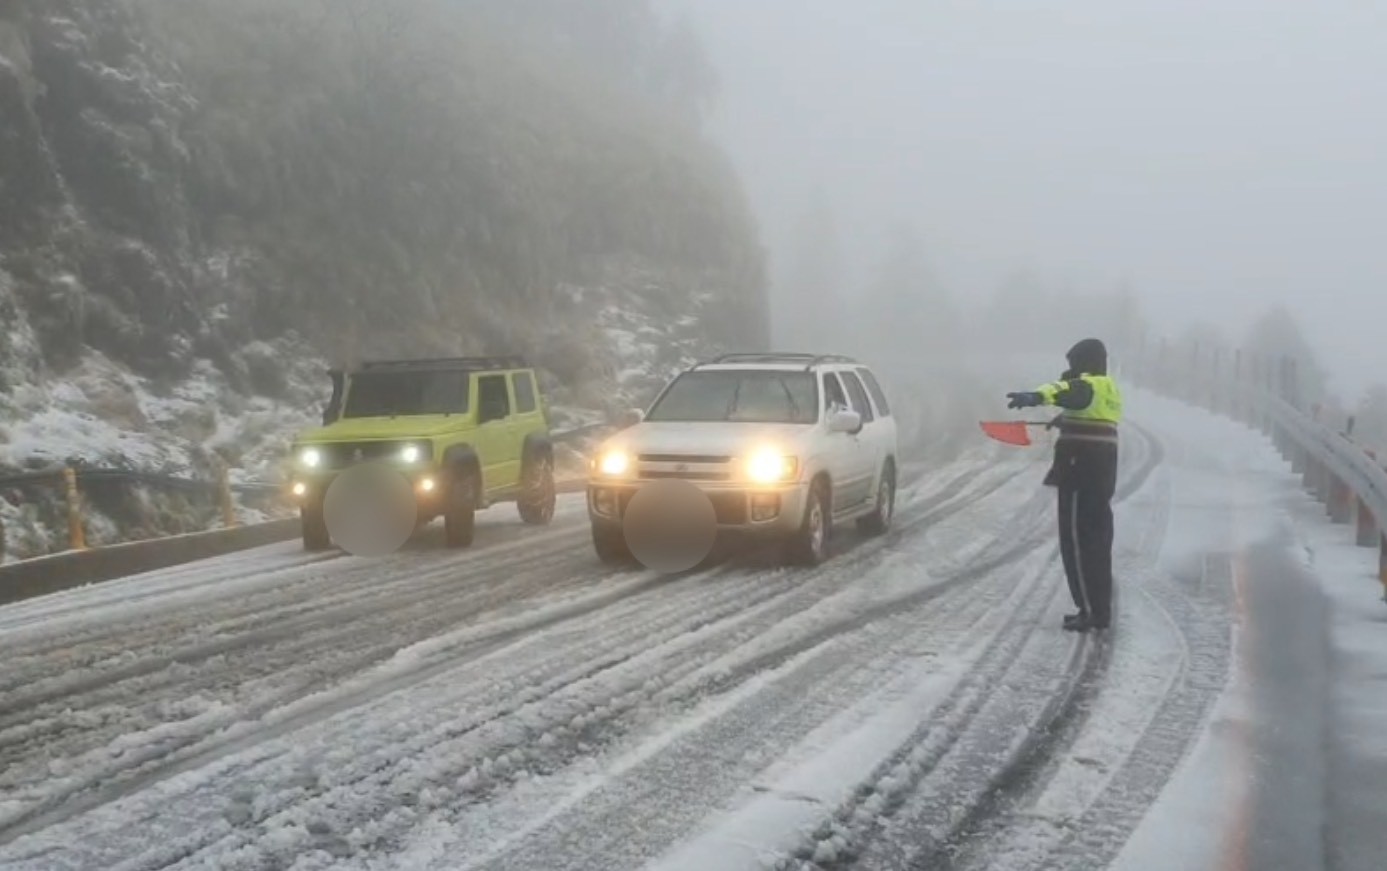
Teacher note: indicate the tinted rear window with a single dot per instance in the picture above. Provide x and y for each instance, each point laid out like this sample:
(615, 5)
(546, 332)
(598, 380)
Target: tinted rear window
(878, 395)
(524, 392)
(860, 404)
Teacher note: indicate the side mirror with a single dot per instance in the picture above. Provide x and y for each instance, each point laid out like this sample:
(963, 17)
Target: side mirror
(844, 420)
(631, 417)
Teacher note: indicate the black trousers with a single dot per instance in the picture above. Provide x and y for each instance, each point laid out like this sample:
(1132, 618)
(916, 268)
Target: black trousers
(1086, 536)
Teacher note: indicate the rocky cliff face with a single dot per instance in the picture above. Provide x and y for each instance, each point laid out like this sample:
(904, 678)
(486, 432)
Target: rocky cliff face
(202, 203)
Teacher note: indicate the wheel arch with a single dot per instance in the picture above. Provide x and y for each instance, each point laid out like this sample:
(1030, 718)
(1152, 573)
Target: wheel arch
(537, 446)
(823, 479)
(464, 458)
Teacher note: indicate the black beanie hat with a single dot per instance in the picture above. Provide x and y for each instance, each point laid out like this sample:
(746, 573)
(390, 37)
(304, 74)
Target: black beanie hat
(1089, 357)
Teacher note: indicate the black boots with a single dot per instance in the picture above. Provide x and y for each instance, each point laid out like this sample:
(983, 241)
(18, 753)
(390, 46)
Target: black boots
(1082, 622)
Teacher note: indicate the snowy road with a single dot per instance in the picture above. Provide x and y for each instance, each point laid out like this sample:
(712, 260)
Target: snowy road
(912, 703)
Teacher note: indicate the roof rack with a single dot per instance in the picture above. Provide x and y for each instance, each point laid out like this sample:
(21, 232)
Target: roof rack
(809, 360)
(468, 364)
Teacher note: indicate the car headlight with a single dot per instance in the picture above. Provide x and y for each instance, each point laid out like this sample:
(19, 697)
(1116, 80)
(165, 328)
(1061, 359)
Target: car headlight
(311, 457)
(410, 454)
(770, 467)
(614, 462)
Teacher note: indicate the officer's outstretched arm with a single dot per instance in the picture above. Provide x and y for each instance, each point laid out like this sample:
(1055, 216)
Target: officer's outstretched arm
(1074, 394)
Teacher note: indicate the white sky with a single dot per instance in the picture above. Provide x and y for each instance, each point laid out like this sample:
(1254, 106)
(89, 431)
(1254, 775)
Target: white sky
(1220, 156)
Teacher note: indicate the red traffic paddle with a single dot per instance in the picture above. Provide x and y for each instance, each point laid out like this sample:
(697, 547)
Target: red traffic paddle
(1011, 432)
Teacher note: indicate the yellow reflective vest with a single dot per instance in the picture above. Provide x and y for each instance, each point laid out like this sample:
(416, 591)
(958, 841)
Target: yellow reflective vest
(1098, 420)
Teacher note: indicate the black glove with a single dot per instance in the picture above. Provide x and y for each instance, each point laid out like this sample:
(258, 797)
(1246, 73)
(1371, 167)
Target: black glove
(1024, 400)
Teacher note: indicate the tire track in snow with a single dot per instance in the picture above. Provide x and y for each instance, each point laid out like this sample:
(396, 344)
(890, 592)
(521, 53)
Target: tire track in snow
(347, 640)
(955, 771)
(438, 583)
(1004, 828)
(426, 589)
(1098, 811)
(1104, 829)
(1019, 771)
(279, 592)
(161, 584)
(434, 596)
(940, 502)
(763, 704)
(606, 716)
(1005, 832)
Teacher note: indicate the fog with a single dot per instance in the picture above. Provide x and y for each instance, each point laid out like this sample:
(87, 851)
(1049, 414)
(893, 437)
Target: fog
(1218, 158)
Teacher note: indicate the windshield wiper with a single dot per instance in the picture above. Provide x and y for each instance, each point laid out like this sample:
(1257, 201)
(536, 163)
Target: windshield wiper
(794, 406)
(732, 403)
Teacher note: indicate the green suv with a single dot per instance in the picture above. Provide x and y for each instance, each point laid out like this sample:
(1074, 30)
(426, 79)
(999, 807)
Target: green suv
(468, 432)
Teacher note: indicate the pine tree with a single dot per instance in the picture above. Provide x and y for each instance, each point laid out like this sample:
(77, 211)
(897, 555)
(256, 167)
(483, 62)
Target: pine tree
(1276, 337)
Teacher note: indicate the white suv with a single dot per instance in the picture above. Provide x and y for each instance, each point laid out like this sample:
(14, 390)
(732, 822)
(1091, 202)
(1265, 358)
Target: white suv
(784, 445)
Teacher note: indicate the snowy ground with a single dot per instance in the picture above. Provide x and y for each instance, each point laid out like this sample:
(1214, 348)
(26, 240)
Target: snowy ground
(912, 703)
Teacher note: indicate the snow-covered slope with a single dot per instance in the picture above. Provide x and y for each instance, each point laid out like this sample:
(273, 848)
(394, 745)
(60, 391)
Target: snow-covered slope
(201, 205)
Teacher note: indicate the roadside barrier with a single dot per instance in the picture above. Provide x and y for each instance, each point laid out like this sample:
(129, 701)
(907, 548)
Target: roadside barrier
(81, 564)
(54, 573)
(70, 481)
(1344, 475)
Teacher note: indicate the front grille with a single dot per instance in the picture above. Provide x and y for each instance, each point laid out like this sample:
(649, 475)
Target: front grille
(683, 467)
(683, 458)
(344, 454)
(663, 474)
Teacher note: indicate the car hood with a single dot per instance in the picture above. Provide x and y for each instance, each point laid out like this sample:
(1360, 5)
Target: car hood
(372, 428)
(729, 439)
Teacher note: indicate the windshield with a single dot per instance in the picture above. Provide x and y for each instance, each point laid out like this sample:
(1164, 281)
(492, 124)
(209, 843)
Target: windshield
(753, 396)
(386, 394)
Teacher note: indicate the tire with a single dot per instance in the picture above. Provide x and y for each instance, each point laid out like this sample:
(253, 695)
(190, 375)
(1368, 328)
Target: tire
(314, 527)
(879, 521)
(537, 494)
(809, 544)
(611, 546)
(460, 514)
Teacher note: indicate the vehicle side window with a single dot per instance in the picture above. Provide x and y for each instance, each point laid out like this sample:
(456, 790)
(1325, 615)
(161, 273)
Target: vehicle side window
(860, 403)
(493, 397)
(524, 384)
(874, 388)
(833, 392)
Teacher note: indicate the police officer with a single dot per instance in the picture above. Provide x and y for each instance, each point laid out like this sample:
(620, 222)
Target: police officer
(1085, 474)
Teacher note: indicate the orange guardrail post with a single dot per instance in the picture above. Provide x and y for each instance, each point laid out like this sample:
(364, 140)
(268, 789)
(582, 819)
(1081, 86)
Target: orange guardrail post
(1382, 567)
(1367, 523)
(1340, 501)
(77, 536)
(1367, 526)
(228, 505)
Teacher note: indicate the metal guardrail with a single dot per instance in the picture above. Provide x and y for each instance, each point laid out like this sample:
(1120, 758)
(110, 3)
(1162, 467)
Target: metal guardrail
(166, 482)
(71, 478)
(1347, 463)
(223, 489)
(1338, 471)
(70, 569)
